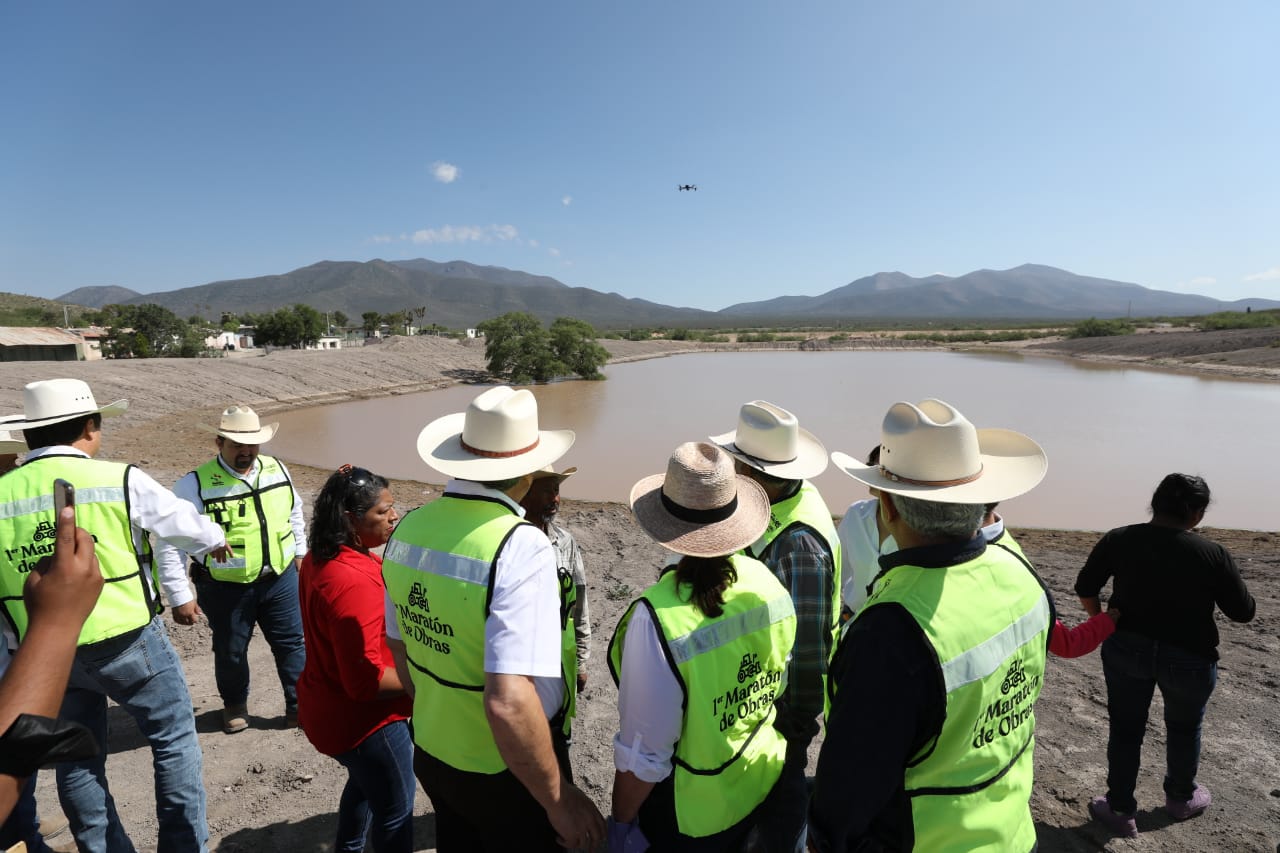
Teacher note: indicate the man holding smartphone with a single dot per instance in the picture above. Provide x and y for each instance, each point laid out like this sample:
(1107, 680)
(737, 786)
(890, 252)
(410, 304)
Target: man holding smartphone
(123, 652)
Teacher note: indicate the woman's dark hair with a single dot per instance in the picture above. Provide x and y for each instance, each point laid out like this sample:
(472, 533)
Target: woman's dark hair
(709, 577)
(348, 490)
(1180, 497)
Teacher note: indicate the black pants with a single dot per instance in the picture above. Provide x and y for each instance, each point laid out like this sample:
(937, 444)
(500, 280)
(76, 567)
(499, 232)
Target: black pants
(483, 812)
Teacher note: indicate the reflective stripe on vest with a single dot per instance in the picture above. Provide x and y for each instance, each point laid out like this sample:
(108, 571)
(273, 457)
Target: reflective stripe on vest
(102, 507)
(730, 668)
(438, 568)
(987, 621)
(255, 518)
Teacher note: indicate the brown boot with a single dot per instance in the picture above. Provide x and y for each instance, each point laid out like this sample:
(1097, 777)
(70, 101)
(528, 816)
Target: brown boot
(235, 718)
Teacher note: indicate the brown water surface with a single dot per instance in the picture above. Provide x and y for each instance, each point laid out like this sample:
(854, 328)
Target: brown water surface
(1110, 433)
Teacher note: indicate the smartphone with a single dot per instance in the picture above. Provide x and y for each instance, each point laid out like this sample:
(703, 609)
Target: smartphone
(64, 494)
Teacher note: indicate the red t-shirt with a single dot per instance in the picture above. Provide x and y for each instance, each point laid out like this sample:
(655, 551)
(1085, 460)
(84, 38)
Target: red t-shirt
(347, 652)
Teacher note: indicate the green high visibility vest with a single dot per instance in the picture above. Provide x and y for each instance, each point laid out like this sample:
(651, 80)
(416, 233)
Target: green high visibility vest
(27, 534)
(988, 622)
(254, 515)
(730, 668)
(439, 570)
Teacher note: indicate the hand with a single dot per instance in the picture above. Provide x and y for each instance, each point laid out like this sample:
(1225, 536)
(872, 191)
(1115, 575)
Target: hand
(187, 614)
(626, 838)
(63, 589)
(582, 680)
(222, 553)
(576, 820)
(1114, 613)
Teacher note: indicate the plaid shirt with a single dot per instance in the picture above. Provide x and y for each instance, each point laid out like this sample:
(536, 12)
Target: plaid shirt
(802, 562)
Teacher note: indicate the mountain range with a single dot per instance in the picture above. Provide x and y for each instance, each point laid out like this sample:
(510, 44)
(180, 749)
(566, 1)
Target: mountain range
(460, 294)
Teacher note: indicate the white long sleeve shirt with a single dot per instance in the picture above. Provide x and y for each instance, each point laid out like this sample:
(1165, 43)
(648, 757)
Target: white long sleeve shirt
(171, 557)
(174, 523)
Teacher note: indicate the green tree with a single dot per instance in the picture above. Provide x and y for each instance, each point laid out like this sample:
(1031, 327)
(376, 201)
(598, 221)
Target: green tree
(148, 331)
(1095, 328)
(371, 321)
(574, 344)
(340, 320)
(311, 325)
(519, 348)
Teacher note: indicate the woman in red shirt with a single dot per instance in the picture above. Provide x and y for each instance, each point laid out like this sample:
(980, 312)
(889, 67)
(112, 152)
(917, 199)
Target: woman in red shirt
(351, 704)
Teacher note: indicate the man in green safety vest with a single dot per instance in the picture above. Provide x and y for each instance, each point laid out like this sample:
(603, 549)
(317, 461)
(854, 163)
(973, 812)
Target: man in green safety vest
(800, 547)
(479, 624)
(123, 652)
(930, 734)
(251, 497)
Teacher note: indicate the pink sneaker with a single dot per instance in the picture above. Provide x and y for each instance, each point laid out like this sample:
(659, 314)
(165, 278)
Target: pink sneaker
(1183, 809)
(1120, 824)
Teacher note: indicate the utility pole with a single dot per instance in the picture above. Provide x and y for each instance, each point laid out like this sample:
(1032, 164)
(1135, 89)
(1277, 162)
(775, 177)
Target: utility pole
(66, 320)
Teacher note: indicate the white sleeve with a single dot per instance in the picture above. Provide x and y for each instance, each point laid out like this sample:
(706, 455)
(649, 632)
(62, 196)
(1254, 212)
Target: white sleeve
(389, 612)
(522, 633)
(296, 520)
(174, 518)
(649, 704)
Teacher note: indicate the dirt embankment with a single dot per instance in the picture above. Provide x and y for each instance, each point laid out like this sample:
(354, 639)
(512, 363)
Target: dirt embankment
(269, 790)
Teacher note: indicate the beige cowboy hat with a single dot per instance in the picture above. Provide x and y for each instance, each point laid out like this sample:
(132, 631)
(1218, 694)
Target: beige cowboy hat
(548, 471)
(241, 424)
(9, 444)
(769, 439)
(931, 451)
(496, 438)
(52, 401)
(700, 507)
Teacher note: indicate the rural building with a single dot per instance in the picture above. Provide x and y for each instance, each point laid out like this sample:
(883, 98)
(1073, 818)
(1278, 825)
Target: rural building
(33, 343)
(327, 342)
(242, 338)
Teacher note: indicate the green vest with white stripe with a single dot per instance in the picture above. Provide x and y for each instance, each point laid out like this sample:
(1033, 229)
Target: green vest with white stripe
(254, 516)
(27, 534)
(439, 570)
(988, 622)
(730, 668)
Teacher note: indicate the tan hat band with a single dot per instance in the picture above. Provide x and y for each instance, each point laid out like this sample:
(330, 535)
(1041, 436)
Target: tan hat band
(498, 454)
(957, 482)
(699, 516)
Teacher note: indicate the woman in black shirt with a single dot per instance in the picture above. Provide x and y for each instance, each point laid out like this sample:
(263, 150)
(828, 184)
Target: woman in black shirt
(1167, 581)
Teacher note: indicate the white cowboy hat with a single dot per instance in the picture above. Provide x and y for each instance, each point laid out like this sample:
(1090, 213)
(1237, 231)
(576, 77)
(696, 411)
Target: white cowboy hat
(769, 439)
(9, 444)
(496, 438)
(240, 424)
(931, 451)
(548, 471)
(52, 401)
(700, 507)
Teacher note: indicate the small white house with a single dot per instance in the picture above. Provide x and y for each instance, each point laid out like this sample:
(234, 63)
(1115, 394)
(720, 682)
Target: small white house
(241, 338)
(474, 333)
(327, 342)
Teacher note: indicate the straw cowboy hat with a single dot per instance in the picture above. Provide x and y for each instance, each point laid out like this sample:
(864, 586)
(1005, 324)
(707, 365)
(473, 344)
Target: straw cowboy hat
(9, 444)
(240, 424)
(548, 471)
(931, 451)
(700, 507)
(769, 439)
(52, 401)
(496, 438)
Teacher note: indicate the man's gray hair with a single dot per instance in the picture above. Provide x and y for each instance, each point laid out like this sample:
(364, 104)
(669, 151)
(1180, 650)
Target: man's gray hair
(931, 518)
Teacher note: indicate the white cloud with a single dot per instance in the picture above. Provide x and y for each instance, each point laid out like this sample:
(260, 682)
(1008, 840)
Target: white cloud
(567, 200)
(1272, 274)
(465, 234)
(533, 244)
(555, 253)
(380, 238)
(445, 173)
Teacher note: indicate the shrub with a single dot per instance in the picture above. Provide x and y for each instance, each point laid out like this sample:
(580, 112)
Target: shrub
(1095, 328)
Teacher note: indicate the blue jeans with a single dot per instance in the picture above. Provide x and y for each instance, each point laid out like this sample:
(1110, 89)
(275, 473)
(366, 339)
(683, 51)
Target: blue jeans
(23, 823)
(141, 673)
(232, 610)
(379, 792)
(1134, 666)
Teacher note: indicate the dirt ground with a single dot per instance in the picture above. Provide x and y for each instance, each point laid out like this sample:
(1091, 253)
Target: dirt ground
(269, 790)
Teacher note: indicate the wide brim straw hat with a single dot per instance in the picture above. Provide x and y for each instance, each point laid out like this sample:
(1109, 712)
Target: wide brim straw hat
(769, 439)
(548, 471)
(700, 507)
(932, 452)
(496, 438)
(9, 444)
(52, 401)
(242, 425)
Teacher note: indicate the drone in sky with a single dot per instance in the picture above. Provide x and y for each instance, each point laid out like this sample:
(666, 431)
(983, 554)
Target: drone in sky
(683, 187)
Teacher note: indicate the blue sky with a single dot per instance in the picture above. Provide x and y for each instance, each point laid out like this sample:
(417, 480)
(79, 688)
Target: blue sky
(161, 145)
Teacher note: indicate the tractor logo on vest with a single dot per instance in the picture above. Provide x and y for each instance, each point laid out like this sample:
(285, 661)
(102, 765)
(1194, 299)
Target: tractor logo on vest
(1008, 711)
(1014, 677)
(28, 555)
(749, 668)
(215, 479)
(418, 597)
